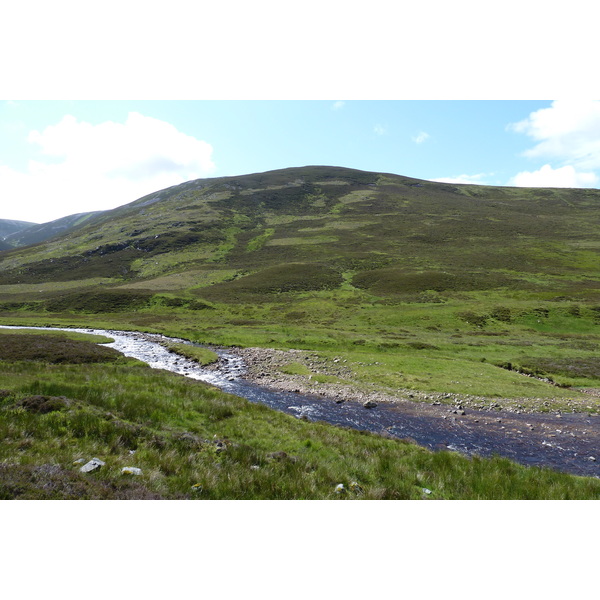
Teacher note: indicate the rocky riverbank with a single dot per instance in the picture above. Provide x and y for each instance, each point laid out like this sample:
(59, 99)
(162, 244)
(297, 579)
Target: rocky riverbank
(526, 430)
(334, 379)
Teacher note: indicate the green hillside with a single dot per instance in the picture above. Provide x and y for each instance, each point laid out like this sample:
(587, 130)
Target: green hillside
(33, 233)
(10, 226)
(394, 272)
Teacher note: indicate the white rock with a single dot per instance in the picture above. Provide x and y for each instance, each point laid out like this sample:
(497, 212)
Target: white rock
(92, 465)
(131, 471)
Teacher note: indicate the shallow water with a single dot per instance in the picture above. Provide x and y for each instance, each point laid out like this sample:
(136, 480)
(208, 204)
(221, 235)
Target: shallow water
(568, 442)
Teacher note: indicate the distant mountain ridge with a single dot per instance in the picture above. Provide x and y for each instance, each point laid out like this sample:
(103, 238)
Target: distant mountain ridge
(9, 227)
(23, 233)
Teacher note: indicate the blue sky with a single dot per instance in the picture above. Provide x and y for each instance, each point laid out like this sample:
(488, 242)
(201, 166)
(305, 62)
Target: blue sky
(63, 157)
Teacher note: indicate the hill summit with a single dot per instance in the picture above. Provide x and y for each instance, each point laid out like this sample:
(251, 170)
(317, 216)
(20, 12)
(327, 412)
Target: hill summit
(250, 237)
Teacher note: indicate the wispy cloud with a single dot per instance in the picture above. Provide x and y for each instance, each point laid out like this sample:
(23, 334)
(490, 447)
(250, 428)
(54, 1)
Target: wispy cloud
(479, 178)
(379, 129)
(338, 105)
(420, 137)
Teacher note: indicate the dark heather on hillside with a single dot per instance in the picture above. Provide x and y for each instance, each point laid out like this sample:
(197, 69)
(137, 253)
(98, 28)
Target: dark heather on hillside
(255, 236)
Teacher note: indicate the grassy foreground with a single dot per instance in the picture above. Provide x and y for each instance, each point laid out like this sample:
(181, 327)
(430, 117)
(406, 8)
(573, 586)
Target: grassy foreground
(192, 441)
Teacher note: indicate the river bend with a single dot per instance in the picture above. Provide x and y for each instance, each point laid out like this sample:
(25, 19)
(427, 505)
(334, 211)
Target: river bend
(569, 442)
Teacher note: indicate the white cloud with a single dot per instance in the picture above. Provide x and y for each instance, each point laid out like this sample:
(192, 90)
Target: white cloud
(338, 105)
(567, 131)
(379, 129)
(473, 179)
(563, 177)
(82, 167)
(420, 137)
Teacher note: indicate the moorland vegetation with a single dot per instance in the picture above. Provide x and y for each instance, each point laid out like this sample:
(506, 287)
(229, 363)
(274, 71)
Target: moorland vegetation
(420, 286)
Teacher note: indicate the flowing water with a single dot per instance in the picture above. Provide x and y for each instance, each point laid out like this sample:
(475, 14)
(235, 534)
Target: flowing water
(568, 442)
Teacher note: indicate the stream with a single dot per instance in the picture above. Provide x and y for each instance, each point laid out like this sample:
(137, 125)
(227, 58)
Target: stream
(568, 442)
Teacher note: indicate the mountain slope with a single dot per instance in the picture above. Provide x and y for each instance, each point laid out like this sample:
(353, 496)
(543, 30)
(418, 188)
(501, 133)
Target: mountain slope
(9, 227)
(36, 233)
(311, 228)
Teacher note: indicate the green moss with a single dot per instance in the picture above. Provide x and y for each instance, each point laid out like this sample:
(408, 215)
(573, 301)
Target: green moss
(259, 241)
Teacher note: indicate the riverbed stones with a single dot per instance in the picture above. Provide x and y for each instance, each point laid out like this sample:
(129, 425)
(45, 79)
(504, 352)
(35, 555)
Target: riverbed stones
(92, 465)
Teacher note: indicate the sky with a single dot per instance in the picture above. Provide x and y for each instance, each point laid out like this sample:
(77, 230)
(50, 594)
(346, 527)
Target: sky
(64, 157)
(103, 103)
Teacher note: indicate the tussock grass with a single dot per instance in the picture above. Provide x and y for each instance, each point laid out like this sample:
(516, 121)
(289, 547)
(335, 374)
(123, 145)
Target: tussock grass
(202, 356)
(193, 441)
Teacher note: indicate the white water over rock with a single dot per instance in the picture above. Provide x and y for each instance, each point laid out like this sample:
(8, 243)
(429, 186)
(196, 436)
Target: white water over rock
(148, 348)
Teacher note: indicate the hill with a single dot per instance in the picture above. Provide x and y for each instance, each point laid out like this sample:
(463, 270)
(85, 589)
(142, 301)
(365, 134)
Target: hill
(421, 285)
(397, 236)
(8, 227)
(33, 233)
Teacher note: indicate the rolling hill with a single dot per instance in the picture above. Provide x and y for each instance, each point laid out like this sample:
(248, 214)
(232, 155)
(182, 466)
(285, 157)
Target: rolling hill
(34, 233)
(9, 227)
(311, 228)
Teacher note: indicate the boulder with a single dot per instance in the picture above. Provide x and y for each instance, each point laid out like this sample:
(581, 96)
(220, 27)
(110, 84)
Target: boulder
(369, 404)
(92, 465)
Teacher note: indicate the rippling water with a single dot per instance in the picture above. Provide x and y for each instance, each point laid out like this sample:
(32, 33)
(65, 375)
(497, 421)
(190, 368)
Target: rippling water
(568, 442)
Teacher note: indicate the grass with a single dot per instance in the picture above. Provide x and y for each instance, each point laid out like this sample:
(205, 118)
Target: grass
(422, 347)
(192, 441)
(54, 349)
(203, 356)
(419, 286)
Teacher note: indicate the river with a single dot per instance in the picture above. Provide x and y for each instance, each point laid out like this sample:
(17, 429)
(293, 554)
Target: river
(566, 442)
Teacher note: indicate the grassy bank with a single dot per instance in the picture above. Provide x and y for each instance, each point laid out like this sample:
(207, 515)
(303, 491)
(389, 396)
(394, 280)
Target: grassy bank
(193, 441)
(482, 344)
